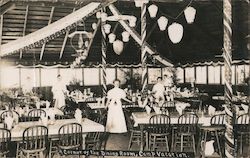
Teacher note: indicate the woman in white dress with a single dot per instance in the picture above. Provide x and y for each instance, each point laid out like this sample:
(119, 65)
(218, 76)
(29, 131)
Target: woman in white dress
(59, 89)
(116, 122)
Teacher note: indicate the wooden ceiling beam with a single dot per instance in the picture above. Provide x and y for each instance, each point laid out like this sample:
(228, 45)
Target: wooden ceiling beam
(134, 34)
(1, 31)
(6, 6)
(65, 41)
(49, 22)
(25, 25)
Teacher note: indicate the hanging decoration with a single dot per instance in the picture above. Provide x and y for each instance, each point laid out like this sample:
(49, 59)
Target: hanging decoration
(112, 38)
(162, 22)
(175, 32)
(152, 9)
(94, 26)
(118, 47)
(189, 13)
(139, 3)
(125, 36)
(107, 28)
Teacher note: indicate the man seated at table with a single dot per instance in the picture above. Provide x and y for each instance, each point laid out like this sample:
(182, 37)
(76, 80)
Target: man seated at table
(159, 90)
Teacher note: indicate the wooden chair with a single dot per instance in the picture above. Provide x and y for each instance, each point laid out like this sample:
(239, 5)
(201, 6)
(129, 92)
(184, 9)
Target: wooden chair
(187, 128)
(35, 141)
(243, 130)
(8, 113)
(168, 105)
(36, 113)
(158, 131)
(70, 136)
(5, 140)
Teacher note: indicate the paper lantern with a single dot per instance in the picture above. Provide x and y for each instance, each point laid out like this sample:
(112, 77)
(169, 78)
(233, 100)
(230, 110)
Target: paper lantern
(86, 43)
(107, 28)
(98, 15)
(125, 36)
(189, 13)
(139, 3)
(132, 21)
(118, 47)
(175, 32)
(152, 9)
(104, 16)
(111, 37)
(162, 22)
(94, 26)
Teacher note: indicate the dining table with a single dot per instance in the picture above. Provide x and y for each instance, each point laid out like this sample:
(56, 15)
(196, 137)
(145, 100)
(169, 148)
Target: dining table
(53, 128)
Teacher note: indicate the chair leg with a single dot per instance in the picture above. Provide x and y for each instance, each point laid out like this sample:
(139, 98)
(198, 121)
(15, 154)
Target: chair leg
(166, 139)
(193, 144)
(241, 146)
(181, 143)
(154, 142)
(130, 140)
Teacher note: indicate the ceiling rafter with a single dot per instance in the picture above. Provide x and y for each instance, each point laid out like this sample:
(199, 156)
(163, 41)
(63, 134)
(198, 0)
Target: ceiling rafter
(65, 41)
(1, 31)
(24, 26)
(137, 37)
(49, 22)
(5, 6)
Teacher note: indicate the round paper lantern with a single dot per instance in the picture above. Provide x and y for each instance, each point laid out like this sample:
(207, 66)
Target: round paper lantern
(98, 15)
(162, 22)
(189, 13)
(94, 26)
(152, 9)
(111, 37)
(175, 32)
(104, 16)
(139, 3)
(132, 21)
(118, 47)
(107, 28)
(125, 36)
(86, 43)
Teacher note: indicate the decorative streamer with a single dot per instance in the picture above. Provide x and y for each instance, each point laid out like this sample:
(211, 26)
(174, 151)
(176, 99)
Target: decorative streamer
(104, 58)
(227, 55)
(143, 47)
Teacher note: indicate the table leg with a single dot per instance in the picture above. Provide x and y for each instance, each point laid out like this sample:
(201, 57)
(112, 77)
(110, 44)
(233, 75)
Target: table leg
(142, 140)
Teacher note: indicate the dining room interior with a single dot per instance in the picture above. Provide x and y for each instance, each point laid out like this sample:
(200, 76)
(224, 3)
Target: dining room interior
(124, 78)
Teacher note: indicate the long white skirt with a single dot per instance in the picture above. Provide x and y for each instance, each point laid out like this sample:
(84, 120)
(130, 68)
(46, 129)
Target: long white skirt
(116, 122)
(60, 100)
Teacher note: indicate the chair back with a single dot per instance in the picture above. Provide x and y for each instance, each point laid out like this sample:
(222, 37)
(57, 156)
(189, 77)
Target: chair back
(28, 119)
(187, 123)
(218, 119)
(70, 136)
(243, 119)
(62, 117)
(5, 138)
(8, 113)
(168, 104)
(159, 123)
(36, 113)
(35, 138)
(90, 99)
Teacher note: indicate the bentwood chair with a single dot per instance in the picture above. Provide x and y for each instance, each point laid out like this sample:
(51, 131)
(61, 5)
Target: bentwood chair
(243, 130)
(158, 131)
(36, 113)
(8, 113)
(168, 106)
(35, 142)
(70, 136)
(186, 131)
(5, 139)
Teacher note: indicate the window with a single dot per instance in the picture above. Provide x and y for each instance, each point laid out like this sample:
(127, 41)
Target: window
(110, 75)
(91, 76)
(48, 76)
(214, 74)
(122, 73)
(180, 75)
(9, 77)
(201, 74)
(153, 74)
(33, 74)
(189, 74)
(240, 72)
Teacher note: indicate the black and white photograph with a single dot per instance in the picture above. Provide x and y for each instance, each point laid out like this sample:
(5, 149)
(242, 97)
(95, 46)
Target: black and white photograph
(124, 78)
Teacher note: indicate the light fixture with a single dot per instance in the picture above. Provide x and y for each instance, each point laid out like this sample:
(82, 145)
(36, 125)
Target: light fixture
(98, 15)
(125, 36)
(189, 13)
(111, 37)
(132, 21)
(118, 47)
(139, 3)
(162, 22)
(175, 32)
(94, 26)
(152, 9)
(104, 16)
(107, 28)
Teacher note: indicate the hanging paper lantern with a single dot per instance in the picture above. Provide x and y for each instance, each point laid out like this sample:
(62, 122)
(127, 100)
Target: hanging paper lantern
(98, 15)
(189, 13)
(139, 3)
(94, 26)
(86, 43)
(111, 37)
(125, 36)
(118, 47)
(132, 21)
(152, 9)
(104, 16)
(162, 22)
(80, 41)
(107, 28)
(175, 32)
(78, 60)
